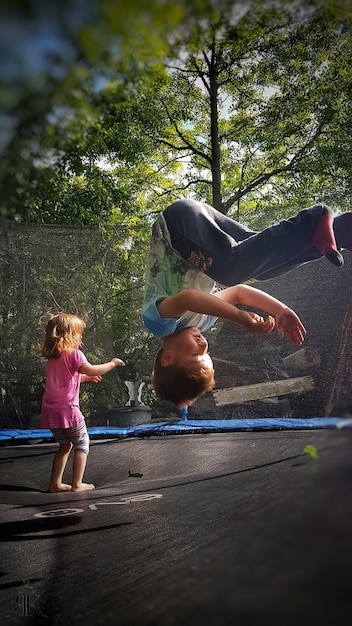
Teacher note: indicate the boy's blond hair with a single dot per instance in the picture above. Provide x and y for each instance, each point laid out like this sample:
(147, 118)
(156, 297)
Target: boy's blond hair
(179, 385)
(63, 332)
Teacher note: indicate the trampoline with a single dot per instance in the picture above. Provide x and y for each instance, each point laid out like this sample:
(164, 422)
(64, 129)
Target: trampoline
(188, 525)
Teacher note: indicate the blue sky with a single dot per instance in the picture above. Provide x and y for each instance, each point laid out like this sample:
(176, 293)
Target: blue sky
(40, 39)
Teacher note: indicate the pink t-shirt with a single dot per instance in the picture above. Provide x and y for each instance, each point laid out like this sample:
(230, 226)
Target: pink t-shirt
(60, 404)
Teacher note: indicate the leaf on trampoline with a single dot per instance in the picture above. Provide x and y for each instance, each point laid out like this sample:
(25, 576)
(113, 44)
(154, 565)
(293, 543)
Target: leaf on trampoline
(312, 451)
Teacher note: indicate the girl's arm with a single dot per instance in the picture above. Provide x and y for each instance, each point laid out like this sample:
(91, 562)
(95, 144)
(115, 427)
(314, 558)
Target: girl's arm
(98, 370)
(90, 379)
(222, 304)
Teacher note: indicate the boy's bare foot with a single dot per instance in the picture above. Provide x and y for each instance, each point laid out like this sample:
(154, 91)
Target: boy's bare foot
(58, 488)
(84, 487)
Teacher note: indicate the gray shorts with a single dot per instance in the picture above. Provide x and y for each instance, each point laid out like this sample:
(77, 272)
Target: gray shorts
(77, 435)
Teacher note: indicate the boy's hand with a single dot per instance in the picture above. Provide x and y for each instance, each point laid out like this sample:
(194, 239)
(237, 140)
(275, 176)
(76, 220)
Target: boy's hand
(289, 324)
(255, 323)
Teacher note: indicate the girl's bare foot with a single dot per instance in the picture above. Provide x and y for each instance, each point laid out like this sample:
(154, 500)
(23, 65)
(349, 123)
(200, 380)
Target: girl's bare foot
(58, 488)
(84, 487)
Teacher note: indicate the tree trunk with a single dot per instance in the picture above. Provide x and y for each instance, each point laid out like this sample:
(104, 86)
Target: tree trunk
(214, 133)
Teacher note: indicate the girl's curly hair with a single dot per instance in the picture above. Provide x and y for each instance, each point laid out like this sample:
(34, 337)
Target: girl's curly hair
(63, 333)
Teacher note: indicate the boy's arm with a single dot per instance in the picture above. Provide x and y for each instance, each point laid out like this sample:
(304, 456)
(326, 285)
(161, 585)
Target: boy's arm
(196, 301)
(222, 304)
(287, 321)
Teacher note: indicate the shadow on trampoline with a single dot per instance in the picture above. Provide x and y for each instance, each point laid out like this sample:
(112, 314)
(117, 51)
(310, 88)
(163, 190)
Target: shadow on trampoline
(18, 531)
(17, 488)
(32, 529)
(11, 459)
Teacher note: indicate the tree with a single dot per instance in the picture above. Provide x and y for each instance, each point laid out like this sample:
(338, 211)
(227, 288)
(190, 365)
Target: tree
(242, 110)
(65, 53)
(260, 105)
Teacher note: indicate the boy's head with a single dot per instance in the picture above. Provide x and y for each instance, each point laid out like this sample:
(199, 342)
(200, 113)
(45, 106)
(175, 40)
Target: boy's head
(183, 369)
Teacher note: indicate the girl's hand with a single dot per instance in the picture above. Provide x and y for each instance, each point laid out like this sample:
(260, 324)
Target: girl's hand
(90, 379)
(118, 362)
(95, 379)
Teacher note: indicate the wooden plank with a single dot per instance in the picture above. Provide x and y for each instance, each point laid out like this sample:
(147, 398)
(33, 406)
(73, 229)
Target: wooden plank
(246, 393)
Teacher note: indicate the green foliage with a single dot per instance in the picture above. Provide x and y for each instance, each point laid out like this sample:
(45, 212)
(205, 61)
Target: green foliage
(266, 105)
(239, 108)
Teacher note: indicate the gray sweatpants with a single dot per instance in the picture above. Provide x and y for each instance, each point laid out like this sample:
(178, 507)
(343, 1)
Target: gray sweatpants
(230, 253)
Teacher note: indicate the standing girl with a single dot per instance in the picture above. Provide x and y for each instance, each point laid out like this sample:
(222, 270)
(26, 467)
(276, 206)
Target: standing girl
(66, 368)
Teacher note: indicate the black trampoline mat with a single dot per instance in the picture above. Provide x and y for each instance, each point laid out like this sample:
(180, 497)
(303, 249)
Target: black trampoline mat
(239, 528)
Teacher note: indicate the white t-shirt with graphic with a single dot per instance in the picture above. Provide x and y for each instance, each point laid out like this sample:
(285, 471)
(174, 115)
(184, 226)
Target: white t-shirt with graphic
(168, 274)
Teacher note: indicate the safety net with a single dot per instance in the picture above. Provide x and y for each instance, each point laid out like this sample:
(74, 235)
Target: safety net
(98, 274)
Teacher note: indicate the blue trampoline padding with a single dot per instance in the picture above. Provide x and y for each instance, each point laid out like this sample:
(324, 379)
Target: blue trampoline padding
(190, 426)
